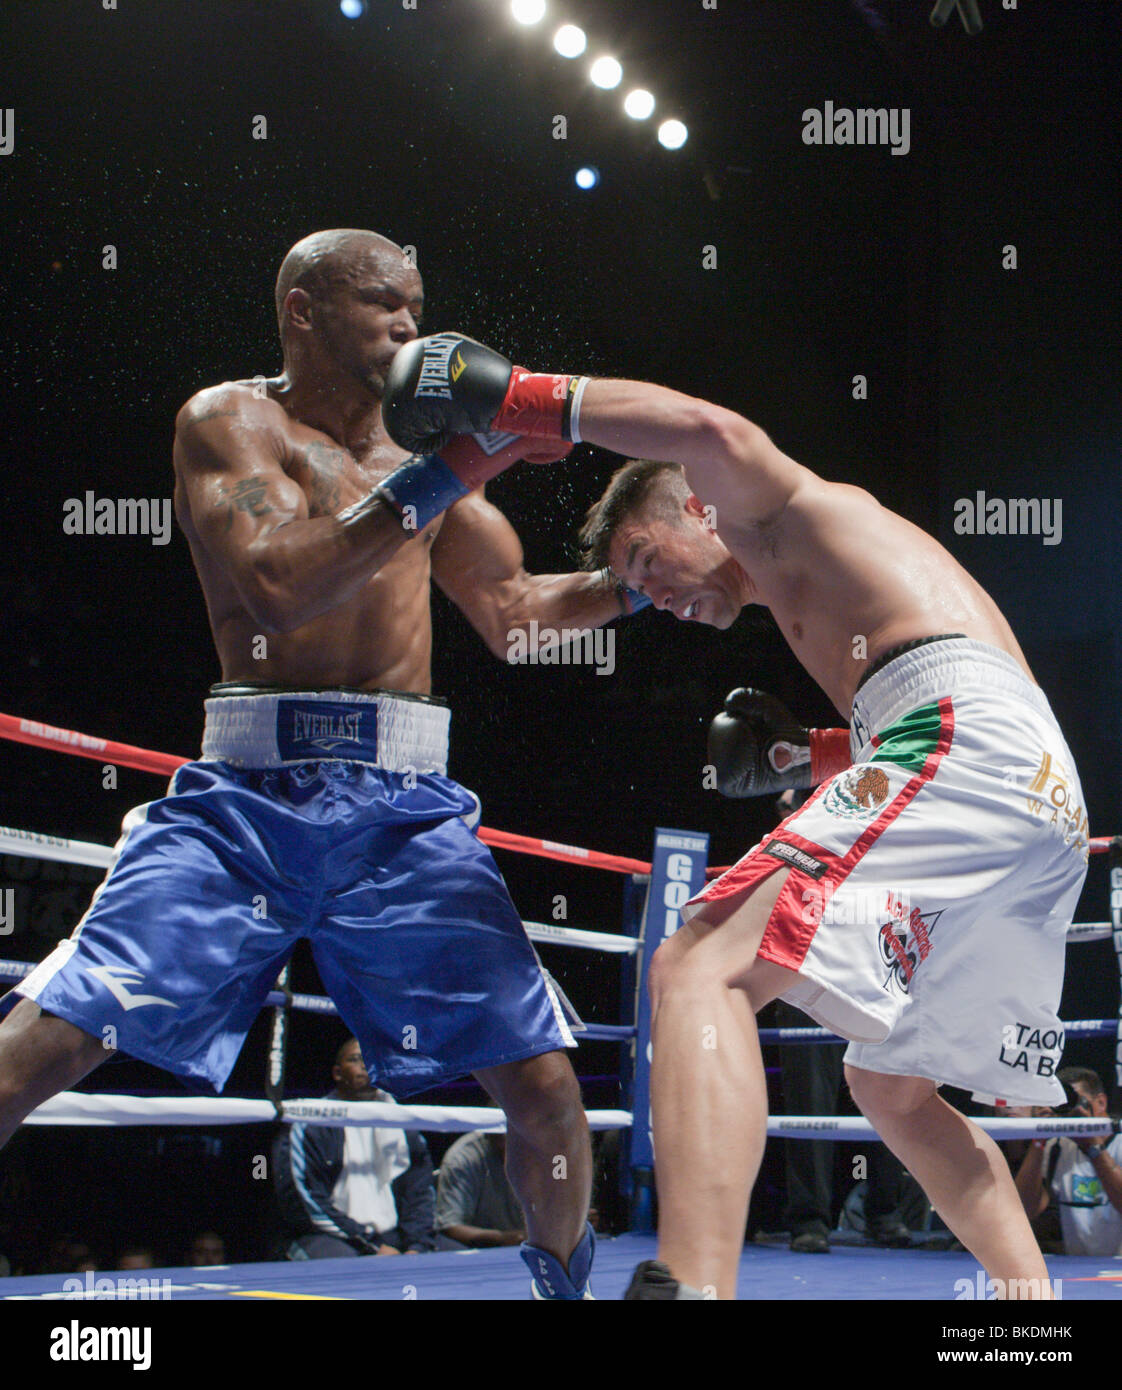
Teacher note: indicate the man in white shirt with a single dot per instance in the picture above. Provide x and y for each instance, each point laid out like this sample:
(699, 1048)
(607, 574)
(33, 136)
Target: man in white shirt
(359, 1190)
(1082, 1176)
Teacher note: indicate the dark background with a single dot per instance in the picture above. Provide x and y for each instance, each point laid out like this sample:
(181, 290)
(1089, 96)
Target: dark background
(434, 126)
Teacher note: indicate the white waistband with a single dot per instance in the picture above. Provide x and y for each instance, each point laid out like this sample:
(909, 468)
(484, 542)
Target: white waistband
(267, 730)
(951, 666)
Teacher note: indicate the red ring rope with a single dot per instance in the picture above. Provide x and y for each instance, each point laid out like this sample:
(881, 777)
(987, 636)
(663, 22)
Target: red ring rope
(127, 755)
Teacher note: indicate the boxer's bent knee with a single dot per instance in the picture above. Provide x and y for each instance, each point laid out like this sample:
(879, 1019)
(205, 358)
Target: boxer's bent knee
(539, 1095)
(670, 961)
(718, 945)
(681, 967)
(883, 1094)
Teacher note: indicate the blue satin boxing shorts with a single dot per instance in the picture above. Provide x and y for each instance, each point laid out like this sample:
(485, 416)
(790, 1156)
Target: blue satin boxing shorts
(318, 814)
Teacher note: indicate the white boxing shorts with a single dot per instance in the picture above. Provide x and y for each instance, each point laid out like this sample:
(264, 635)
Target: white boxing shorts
(931, 884)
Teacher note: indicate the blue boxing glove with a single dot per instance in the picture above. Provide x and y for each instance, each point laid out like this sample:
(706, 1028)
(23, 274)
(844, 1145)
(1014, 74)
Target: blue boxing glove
(425, 485)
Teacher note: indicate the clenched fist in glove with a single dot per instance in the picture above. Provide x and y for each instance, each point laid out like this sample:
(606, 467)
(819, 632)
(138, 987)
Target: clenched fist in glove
(758, 748)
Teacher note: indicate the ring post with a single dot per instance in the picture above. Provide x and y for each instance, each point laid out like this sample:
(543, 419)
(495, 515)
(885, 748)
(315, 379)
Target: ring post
(635, 888)
(677, 873)
(278, 1043)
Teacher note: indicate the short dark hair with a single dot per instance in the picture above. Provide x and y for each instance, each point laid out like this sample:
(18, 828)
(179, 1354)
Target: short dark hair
(1091, 1079)
(631, 487)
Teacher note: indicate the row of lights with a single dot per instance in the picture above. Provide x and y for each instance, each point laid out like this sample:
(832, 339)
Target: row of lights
(606, 72)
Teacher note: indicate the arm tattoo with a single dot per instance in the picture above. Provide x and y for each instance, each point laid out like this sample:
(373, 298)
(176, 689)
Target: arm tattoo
(246, 496)
(218, 413)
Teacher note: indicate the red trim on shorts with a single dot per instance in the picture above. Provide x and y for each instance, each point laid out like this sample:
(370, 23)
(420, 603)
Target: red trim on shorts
(788, 934)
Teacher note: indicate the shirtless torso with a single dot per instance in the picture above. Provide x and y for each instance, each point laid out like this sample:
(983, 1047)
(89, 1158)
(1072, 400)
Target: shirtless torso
(299, 594)
(845, 579)
(244, 468)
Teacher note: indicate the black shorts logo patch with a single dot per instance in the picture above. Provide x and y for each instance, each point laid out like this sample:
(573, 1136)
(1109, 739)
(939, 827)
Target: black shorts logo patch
(797, 858)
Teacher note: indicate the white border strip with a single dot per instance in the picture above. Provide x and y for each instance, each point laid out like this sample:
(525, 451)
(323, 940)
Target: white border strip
(76, 1108)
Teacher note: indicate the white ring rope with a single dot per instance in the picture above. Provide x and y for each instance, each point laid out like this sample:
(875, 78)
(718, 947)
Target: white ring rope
(78, 1108)
(31, 844)
(589, 940)
(850, 1127)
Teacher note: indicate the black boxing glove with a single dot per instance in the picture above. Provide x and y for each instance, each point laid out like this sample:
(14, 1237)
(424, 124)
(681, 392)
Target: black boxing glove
(758, 748)
(449, 384)
(440, 386)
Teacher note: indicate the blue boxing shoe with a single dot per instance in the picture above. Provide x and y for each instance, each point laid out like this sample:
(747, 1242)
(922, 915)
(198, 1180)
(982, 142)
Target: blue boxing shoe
(551, 1278)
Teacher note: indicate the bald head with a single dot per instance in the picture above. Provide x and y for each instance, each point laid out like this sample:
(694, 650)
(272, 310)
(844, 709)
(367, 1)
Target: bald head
(325, 260)
(346, 301)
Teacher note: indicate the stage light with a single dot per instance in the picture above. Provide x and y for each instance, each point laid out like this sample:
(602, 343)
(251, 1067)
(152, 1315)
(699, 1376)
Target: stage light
(588, 177)
(570, 41)
(639, 104)
(672, 134)
(528, 11)
(606, 73)
(352, 8)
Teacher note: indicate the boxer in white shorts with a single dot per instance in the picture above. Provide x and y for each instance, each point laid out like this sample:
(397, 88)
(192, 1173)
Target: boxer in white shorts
(917, 904)
(935, 878)
(733, 521)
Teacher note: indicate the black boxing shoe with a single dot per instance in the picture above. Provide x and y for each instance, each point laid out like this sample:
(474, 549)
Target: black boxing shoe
(652, 1280)
(889, 1231)
(812, 1239)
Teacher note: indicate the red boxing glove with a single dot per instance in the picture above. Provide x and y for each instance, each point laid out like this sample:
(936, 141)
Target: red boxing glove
(477, 458)
(540, 403)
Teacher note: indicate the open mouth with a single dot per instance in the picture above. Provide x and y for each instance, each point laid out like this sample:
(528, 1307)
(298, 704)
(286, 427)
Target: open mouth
(690, 610)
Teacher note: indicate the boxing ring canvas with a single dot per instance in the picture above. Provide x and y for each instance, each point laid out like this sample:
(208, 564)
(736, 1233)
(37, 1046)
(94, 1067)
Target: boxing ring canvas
(849, 1273)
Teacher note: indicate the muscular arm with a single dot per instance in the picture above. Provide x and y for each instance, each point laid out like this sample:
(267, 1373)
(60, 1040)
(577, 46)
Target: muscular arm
(730, 463)
(477, 562)
(252, 519)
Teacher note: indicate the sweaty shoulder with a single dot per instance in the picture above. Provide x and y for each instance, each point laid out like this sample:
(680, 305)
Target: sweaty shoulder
(232, 403)
(833, 502)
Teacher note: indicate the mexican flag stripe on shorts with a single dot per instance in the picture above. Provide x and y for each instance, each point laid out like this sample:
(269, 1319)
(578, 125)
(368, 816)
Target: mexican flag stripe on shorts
(911, 740)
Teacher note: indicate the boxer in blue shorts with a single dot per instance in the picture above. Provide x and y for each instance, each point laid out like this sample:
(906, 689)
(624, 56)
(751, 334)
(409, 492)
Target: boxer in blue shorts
(321, 806)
